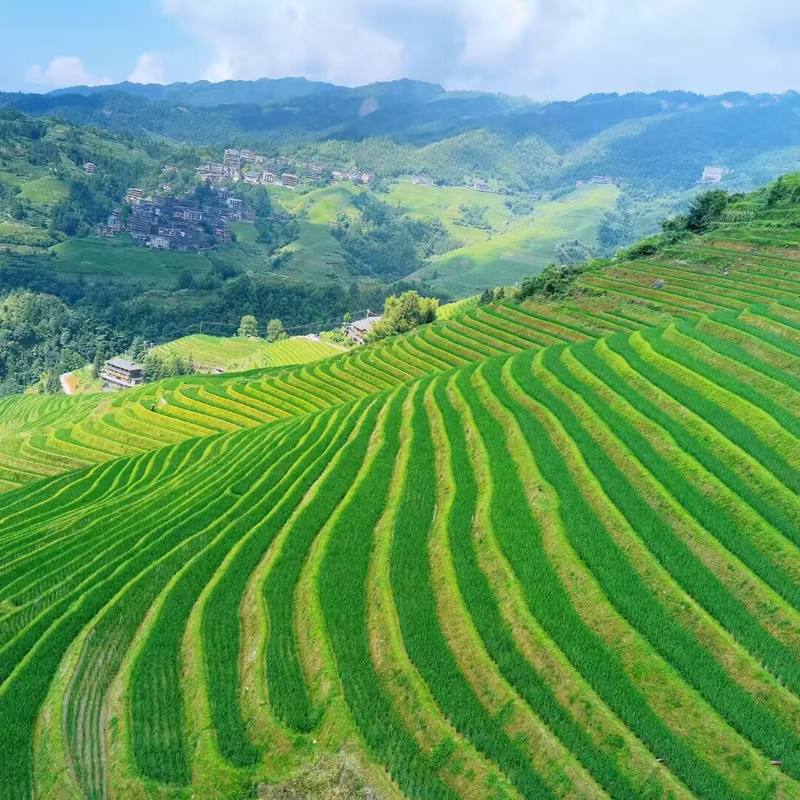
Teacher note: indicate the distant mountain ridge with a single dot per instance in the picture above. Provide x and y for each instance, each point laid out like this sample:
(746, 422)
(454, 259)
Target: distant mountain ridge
(242, 92)
(206, 93)
(654, 142)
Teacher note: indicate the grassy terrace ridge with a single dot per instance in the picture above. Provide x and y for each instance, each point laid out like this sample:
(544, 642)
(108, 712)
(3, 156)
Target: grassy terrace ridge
(548, 549)
(237, 353)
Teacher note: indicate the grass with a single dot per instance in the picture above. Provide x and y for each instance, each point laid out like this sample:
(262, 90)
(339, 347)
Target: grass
(44, 191)
(316, 256)
(118, 260)
(577, 521)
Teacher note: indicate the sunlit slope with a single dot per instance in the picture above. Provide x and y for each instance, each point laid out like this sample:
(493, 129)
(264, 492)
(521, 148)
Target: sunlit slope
(242, 353)
(566, 571)
(179, 408)
(516, 246)
(730, 270)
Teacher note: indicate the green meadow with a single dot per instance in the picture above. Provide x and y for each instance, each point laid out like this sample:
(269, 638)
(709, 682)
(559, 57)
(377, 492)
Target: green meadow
(516, 246)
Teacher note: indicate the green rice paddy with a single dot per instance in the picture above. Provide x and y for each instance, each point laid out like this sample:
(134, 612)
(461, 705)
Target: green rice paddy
(548, 549)
(236, 354)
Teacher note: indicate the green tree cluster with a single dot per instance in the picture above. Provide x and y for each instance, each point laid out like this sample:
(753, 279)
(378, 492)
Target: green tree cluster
(158, 367)
(402, 314)
(572, 251)
(248, 326)
(554, 281)
(275, 331)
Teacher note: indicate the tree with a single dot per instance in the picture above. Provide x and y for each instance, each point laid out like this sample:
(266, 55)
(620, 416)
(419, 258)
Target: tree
(99, 362)
(347, 318)
(185, 279)
(275, 330)
(706, 210)
(401, 314)
(53, 385)
(248, 326)
(553, 281)
(137, 349)
(473, 216)
(572, 251)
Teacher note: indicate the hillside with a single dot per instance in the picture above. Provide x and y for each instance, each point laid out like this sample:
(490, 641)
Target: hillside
(235, 354)
(658, 142)
(536, 549)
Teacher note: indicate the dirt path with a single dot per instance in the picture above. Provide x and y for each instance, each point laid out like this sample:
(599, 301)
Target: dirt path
(68, 383)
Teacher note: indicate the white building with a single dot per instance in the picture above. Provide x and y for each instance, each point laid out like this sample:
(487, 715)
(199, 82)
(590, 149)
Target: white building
(713, 175)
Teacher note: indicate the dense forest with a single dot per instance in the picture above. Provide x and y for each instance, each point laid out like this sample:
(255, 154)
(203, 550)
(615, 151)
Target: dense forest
(50, 325)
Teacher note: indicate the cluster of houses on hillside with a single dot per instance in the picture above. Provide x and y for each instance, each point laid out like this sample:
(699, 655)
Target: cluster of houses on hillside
(166, 223)
(352, 175)
(254, 168)
(183, 224)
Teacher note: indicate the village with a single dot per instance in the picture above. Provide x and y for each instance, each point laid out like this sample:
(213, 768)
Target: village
(254, 168)
(163, 222)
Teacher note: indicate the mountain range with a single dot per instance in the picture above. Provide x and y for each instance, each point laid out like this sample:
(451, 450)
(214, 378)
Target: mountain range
(657, 142)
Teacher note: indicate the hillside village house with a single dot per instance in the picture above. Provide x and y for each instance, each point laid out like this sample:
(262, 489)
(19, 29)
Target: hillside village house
(713, 175)
(351, 175)
(287, 179)
(313, 169)
(133, 196)
(158, 242)
(89, 168)
(481, 186)
(119, 373)
(359, 329)
(422, 180)
(112, 227)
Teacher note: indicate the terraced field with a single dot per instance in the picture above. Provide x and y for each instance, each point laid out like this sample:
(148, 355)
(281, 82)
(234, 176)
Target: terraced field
(531, 551)
(240, 353)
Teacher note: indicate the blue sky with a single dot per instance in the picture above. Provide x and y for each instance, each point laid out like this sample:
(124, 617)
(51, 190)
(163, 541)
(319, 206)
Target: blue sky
(546, 49)
(108, 38)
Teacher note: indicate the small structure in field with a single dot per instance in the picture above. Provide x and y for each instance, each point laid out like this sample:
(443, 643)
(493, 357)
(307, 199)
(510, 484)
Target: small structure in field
(119, 373)
(359, 329)
(713, 175)
(89, 168)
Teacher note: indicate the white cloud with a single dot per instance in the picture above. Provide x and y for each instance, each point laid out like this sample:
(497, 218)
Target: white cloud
(64, 71)
(277, 38)
(543, 48)
(149, 69)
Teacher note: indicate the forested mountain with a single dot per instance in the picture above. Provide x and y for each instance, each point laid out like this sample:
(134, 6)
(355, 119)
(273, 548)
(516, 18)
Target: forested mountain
(206, 93)
(658, 142)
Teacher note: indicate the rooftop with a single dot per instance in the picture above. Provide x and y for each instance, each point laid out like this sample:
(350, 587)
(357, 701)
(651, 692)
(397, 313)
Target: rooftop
(122, 363)
(365, 324)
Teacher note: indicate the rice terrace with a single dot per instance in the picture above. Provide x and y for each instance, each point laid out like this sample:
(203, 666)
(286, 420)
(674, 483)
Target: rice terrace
(547, 548)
